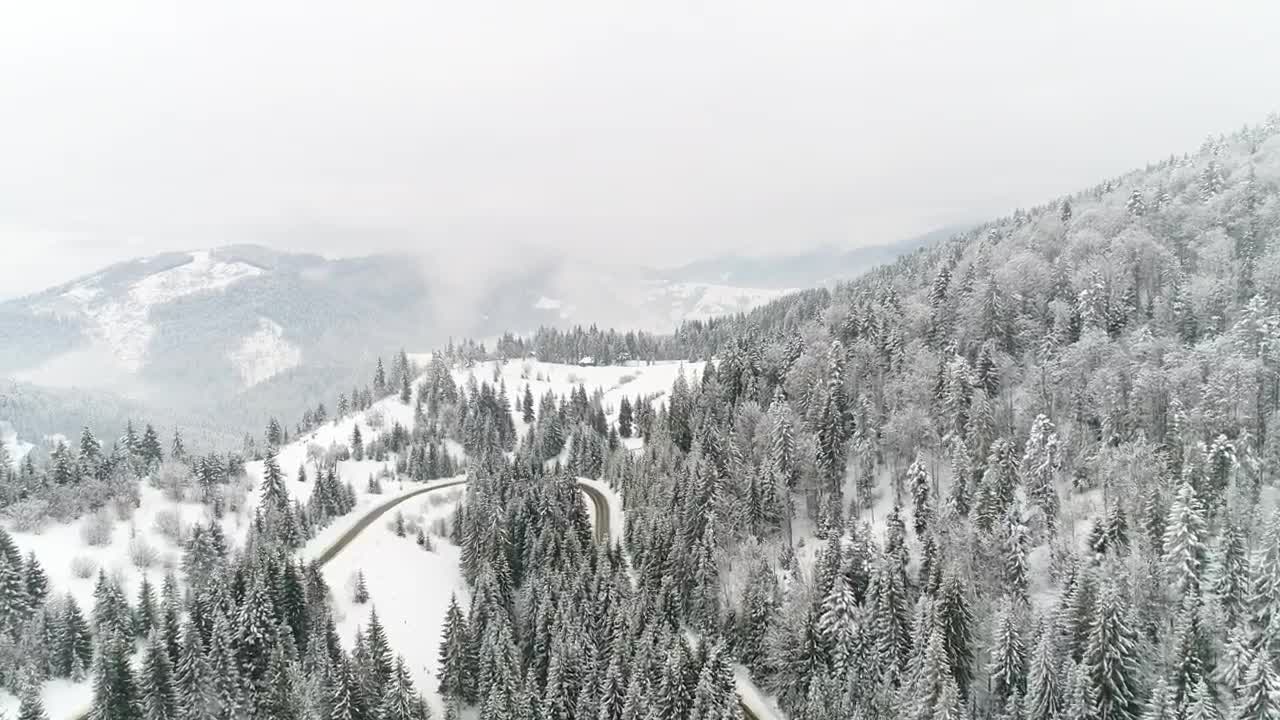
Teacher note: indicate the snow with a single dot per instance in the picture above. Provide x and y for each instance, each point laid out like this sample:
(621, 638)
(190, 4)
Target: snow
(701, 301)
(57, 545)
(16, 448)
(121, 325)
(546, 303)
(410, 588)
(264, 354)
(614, 381)
(62, 699)
(82, 292)
(753, 698)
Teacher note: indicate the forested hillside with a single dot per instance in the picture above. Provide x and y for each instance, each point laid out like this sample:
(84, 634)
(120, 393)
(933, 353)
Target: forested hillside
(1027, 473)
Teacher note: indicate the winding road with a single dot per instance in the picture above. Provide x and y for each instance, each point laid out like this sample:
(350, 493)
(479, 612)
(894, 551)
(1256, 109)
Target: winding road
(598, 500)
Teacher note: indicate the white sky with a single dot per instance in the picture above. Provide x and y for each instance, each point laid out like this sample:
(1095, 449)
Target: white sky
(652, 130)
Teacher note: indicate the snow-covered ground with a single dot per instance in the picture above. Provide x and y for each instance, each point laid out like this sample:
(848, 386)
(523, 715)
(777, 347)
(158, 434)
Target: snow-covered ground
(14, 447)
(72, 565)
(615, 381)
(264, 354)
(409, 587)
(701, 301)
(753, 698)
(122, 325)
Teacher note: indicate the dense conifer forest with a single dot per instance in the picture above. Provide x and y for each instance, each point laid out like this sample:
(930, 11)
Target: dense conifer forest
(1028, 473)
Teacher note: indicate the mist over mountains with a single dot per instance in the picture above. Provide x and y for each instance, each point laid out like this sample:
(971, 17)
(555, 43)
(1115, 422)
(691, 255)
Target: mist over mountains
(217, 340)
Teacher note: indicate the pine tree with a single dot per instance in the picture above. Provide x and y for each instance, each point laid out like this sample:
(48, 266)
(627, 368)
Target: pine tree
(1111, 657)
(455, 676)
(37, 583)
(1008, 655)
(357, 443)
(1039, 468)
(624, 417)
(115, 691)
(400, 701)
(31, 706)
(1258, 698)
(193, 678)
(144, 615)
(13, 592)
(1043, 700)
(956, 620)
(341, 702)
(159, 697)
(889, 614)
(379, 652)
(1016, 547)
(1202, 705)
(839, 622)
(920, 484)
(149, 448)
(1184, 548)
(380, 380)
(361, 595)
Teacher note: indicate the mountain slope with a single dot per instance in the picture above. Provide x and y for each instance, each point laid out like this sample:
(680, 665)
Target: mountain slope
(224, 338)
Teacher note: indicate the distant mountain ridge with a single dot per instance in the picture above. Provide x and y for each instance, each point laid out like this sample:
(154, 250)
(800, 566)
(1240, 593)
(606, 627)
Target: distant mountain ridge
(223, 338)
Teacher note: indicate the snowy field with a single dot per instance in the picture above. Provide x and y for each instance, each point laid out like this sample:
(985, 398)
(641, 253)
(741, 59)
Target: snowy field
(615, 381)
(411, 604)
(408, 586)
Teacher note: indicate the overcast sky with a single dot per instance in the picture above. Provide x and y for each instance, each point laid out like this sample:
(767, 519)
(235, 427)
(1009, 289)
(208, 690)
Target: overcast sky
(651, 130)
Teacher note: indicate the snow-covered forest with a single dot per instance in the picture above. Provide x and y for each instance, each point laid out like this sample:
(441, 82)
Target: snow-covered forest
(1027, 473)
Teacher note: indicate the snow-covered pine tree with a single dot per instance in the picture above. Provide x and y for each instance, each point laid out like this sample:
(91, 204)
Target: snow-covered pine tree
(157, 688)
(1184, 546)
(1008, 654)
(1111, 656)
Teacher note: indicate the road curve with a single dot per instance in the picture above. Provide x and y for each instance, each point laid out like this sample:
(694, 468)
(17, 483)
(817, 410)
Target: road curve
(602, 532)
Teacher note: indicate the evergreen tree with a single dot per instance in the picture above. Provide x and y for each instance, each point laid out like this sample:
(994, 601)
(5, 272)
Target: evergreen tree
(357, 443)
(1111, 657)
(1008, 656)
(1043, 700)
(159, 696)
(149, 449)
(456, 681)
(624, 417)
(1184, 549)
(115, 691)
(1258, 698)
(361, 595)
(956, 620)
(31, 706)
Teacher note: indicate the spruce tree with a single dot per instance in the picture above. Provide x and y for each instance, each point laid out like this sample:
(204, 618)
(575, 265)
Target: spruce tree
(32, 706)
(1111, 657)
(1043, 700)
(956, 620)
(159, 696)
(115, 690)
(361, 595)
(1008, 655)
(624, 417)
(1258, 697)
(455, 673)
(1184, 548)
